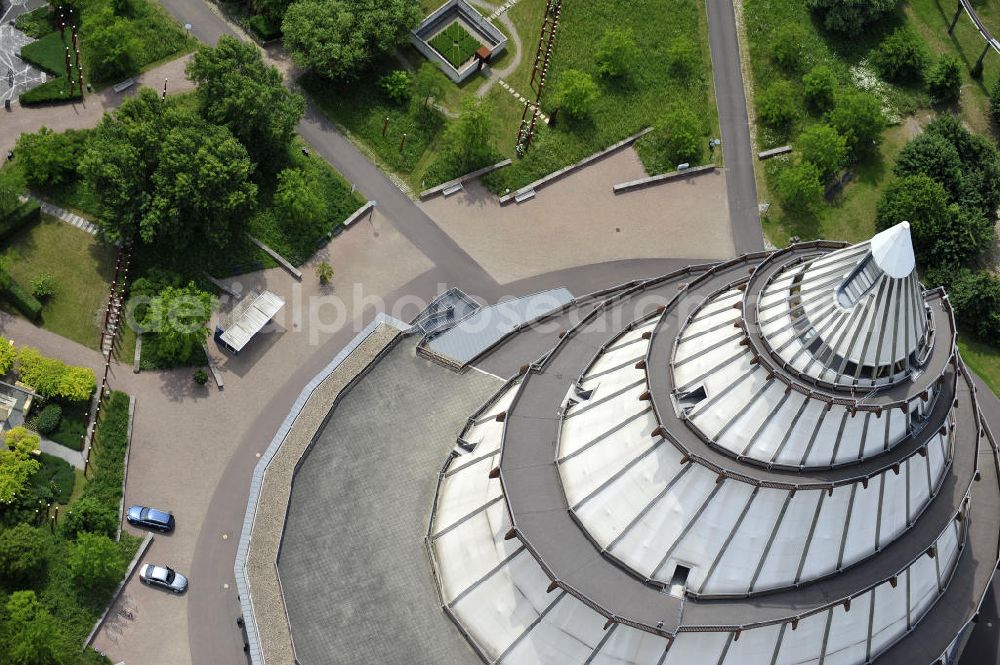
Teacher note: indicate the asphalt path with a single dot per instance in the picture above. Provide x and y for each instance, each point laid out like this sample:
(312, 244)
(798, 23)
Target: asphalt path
(731, 100)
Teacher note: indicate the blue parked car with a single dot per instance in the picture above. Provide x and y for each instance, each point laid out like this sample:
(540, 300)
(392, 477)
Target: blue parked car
(150, 518)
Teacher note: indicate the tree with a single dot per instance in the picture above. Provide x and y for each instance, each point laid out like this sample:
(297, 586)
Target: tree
(788, 46)
(800, 189)
(935, 157)
(90, 515)
(680, 135)
(850, 16)
(274, 10)
(975, 295)
(469, 140)
(338, 38)
(576, 94)
(16, 463)
(901, 56)
(821, 146)
(31, 635)
(324, 271)
(980, 164)
(857, 116)
(95, 561)
(617, 53)
(48, 158)
(397, 86)
(237, 90)
(110, 45)
(179, 318)
(428, 82)
(777, 106)
(820, 87)
(924, 204)
(682, 57)
(8, 354)
(300, 203)
(12, 185)
(53, 378)
(24, 552)
(944, 80)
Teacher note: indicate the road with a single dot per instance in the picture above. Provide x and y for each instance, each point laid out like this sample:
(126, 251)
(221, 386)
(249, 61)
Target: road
(730, 97)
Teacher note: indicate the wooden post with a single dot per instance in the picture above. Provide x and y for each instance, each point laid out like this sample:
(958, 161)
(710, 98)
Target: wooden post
(385, 126)
(402, 142)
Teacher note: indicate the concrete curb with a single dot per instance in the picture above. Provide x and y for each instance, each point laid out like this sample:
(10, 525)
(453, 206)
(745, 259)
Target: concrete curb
(443, 187)
(128, 448)
(641, 183)
(282, 261)
(529, 189)
(358, 214)
(774, 152)
(137, 359)
(141, 552)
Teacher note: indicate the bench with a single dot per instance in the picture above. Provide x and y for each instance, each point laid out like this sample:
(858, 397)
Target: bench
(124, 85)
(457, 187)
(524, 196)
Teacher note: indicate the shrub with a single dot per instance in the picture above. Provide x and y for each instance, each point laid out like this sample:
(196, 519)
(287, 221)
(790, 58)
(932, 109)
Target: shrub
(8, 354)
(944, 80)
(54, 480)
(43, 286)
(788, 46)
(777, 106)
(824, 148)
(933, 156)
(23, 301)
(108, 454)
(397, 86)
(35, 24)
(975, 295)
(324, 272)
(576, 94)
(819, 86)
(89, 515)
(680, 135)
(53, 378)
(800, 189)
(95, 561)
(12, 185)
(49, 158)
(682, 57)
(48, 419)
(617, 53)
(901, 56)
(850, 16)
(54, 91)
(23, 553)
(200, 377)
(24, 214)
(261, 26)
(980, 186)
(857, 116)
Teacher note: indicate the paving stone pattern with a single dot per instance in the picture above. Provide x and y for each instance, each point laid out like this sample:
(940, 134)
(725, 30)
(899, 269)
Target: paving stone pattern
(353, 565)
(68, 217)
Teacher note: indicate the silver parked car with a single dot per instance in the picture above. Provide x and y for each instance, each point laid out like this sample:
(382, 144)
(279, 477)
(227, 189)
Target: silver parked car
(163, 577)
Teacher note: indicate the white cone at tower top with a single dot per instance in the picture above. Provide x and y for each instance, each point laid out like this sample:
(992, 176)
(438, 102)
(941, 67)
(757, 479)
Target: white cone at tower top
(893, 251)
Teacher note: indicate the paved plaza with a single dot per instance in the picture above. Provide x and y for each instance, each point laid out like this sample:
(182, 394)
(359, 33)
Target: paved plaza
(16, 76)
(352, 564)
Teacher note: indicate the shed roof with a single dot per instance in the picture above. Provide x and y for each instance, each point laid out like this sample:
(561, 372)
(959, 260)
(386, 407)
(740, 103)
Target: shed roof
(248, 318)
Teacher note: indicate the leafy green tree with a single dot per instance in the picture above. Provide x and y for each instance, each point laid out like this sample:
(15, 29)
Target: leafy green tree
(95, 561)
(274, 10)
(857, 116)
(819, 86)
(944, 80)
(90, 515)
(299, 202)
(48, 158)
(617, 53)
(179, 319)
(975, 295)
(12, 185)
(16, 463)
(8, 354)
(31, 635)
(338, 38)
(238, 90)
(111, 45)
(469, 140)
(777, 106)
(800, 189)
(682, 57)
(680, 135)
(933, 156)
(901, 56)
(980, 187)
(51, 377)
(850, 16)
(397, 86)
(24, 552)
(923, 203)
(576, 93)
(428, 82)
(824, 148)
(21, 440)
(788, 46)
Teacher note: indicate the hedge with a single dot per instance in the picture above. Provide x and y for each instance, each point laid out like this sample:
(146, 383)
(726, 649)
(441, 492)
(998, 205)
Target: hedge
(50, 92)
(108, 455)
(53, 378)
(24, 214)
(23, 301)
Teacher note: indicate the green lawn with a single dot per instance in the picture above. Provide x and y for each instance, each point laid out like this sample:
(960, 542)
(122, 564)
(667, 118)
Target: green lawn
(983, 359)
(455, 44)
(81, 266)
(49, 53)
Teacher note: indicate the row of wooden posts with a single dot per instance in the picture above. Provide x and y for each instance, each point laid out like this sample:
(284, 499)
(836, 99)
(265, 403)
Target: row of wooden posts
(385, 128)
(76, 49)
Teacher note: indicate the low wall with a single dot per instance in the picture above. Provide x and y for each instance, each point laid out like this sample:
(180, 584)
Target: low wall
(434, 191)
(642, 183)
